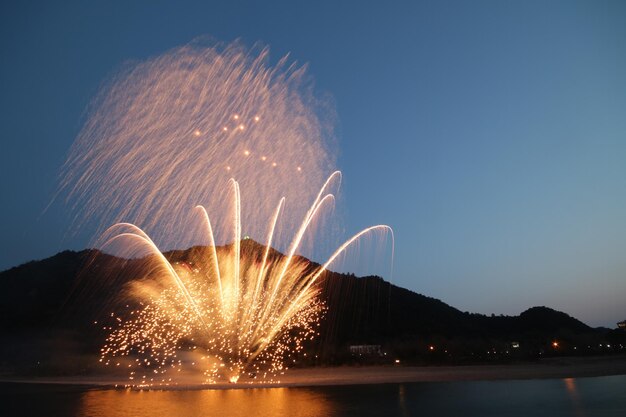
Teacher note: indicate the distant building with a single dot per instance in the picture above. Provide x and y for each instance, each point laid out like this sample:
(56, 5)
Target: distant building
(368, 350)
(622, 325)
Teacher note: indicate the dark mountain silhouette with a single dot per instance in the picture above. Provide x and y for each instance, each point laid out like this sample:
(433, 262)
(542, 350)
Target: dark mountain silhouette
(48, 309)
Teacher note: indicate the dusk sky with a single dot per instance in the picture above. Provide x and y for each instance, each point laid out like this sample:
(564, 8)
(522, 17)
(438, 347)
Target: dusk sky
(491, 135)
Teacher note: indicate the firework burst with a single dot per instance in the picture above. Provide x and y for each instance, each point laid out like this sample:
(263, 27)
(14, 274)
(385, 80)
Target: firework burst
(227, 312)
(173, 133)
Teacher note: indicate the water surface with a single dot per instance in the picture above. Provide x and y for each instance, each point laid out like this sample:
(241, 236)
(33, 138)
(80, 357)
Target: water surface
(579, 397)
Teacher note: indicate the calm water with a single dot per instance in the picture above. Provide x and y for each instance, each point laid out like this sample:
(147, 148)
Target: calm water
(603, 396)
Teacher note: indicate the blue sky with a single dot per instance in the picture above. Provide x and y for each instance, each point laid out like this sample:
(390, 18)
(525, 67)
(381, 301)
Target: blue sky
(490, 135)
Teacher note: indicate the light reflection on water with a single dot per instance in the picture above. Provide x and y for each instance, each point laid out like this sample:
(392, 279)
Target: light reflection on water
(235, 403)
(572, 390)
(578, 397)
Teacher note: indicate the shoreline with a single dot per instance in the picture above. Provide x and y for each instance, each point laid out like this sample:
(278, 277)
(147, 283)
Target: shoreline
(550, 368)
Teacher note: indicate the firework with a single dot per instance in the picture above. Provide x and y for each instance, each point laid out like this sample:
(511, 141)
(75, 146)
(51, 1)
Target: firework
(173, 133)
(237, 312)
(167, 134)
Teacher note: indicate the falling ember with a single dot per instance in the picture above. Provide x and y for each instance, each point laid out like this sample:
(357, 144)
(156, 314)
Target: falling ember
(133, 160)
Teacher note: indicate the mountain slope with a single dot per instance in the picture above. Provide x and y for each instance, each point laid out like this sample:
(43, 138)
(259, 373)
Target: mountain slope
(56, 295)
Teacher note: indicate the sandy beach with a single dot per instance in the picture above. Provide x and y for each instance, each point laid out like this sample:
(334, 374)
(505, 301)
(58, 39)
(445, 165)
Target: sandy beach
(355, 375)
